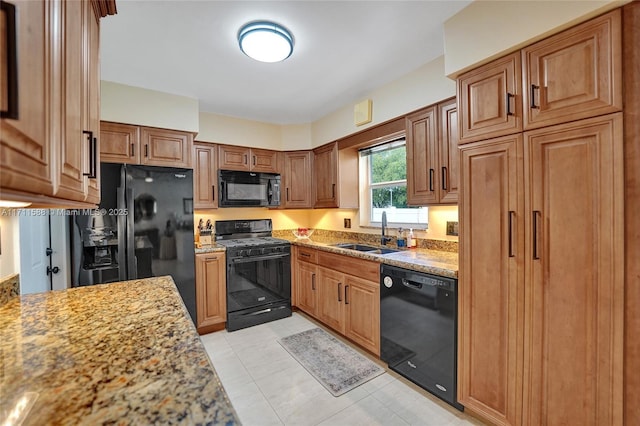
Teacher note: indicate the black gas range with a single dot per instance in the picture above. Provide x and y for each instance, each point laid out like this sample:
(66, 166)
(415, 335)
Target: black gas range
(258, 272)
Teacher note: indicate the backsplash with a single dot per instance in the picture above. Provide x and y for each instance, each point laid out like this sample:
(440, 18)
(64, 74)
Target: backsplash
(322, 235)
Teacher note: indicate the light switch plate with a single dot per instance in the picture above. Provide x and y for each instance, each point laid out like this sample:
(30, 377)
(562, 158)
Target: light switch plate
(452, 228)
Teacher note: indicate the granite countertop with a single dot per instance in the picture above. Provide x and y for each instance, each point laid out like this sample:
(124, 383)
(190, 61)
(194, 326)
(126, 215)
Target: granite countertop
(124, 353)
(209, 249)
(435, 262)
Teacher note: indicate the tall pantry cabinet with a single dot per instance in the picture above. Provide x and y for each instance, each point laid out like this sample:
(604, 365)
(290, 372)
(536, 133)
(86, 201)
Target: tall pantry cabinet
(541, 238)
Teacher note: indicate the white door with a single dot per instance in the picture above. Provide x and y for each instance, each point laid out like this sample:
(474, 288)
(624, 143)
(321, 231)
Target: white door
(34, 240)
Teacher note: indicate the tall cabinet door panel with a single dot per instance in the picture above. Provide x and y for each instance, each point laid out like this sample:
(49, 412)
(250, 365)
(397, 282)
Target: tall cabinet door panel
(74, 144)
(422, 158)
(449, 158)
(573, 328)
(489, 101)
(491, 277)
(92, 86)
(575, 74)
(25, 141)
(297, 180)
(204, 176)
(325, 167)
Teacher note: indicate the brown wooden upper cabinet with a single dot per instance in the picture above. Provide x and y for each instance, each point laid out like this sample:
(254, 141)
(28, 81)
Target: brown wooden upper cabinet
(131, 144)
(489, 101)
(38, 164)
(247, 159)
(205, 176)
(573, 75)
(296, 180)
(119, 143)
(336, 177)
(449, 155)
(432, 155)
(422, 157)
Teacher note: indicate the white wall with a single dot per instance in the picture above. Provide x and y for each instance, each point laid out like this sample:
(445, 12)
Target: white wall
(425, 86)
(488, 29)
(135, 105)
(237, 131)
(9, 245)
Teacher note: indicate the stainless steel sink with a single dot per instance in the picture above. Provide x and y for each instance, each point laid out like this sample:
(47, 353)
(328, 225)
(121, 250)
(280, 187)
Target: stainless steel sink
(365, 248)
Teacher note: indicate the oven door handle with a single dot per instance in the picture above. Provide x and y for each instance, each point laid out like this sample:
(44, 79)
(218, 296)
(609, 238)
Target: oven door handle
(259, 258)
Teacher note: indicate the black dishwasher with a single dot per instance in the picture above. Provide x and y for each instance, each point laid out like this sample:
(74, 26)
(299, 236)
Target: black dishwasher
(418, 329)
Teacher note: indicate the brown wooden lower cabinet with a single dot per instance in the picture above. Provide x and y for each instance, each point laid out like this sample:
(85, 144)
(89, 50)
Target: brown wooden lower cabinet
(211, 298)
(347, 303)
(541, 276)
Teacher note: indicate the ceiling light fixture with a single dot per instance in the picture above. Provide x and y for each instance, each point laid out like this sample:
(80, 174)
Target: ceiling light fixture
(265, 41)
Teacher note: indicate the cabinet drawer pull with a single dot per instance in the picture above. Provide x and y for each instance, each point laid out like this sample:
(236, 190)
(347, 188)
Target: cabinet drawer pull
(254, 160)
(305, 254)
(287, 194)
(132, 150)
(333, 190)
(509, 96)
(12, 61)
(512, 220)
(431, 172)
(246, 159)
(346, 294)
(536, 243)
(213, 192)
(313, 282)
(533, 93)
(146, 149)
(444, 178)
(339, 292)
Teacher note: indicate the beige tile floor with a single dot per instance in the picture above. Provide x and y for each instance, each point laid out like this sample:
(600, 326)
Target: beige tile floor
(268, 387)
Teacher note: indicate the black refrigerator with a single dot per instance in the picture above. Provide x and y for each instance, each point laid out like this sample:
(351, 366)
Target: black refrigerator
(142, 228)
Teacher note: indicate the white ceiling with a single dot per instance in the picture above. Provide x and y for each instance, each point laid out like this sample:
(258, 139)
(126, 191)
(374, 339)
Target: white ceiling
(343, 50)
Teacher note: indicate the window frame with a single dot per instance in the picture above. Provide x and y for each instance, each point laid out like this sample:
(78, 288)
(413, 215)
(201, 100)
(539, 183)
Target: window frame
(365, 187)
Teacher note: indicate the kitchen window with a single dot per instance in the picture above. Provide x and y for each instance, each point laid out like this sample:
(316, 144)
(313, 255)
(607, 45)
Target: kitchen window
(383, 187)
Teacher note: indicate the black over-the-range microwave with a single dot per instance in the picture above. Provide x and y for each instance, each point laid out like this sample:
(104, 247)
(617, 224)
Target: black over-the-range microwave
(248, 189)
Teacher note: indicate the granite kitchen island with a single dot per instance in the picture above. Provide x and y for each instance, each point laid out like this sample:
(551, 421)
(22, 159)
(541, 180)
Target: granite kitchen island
(121, 353)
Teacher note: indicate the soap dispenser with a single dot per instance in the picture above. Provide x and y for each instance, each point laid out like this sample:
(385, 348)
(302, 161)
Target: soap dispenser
(411, 240)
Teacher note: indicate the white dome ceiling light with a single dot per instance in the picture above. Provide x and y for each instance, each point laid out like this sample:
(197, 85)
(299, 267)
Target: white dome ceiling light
(265, 41)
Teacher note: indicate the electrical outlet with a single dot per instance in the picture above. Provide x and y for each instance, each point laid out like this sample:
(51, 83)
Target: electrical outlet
(347, 222)
(452, 228)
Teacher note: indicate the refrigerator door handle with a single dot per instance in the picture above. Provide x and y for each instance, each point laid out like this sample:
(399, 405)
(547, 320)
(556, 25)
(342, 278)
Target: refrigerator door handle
(132, 269)
(122, 244)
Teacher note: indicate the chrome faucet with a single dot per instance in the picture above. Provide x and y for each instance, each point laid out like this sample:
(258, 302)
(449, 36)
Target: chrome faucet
(384, 240)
